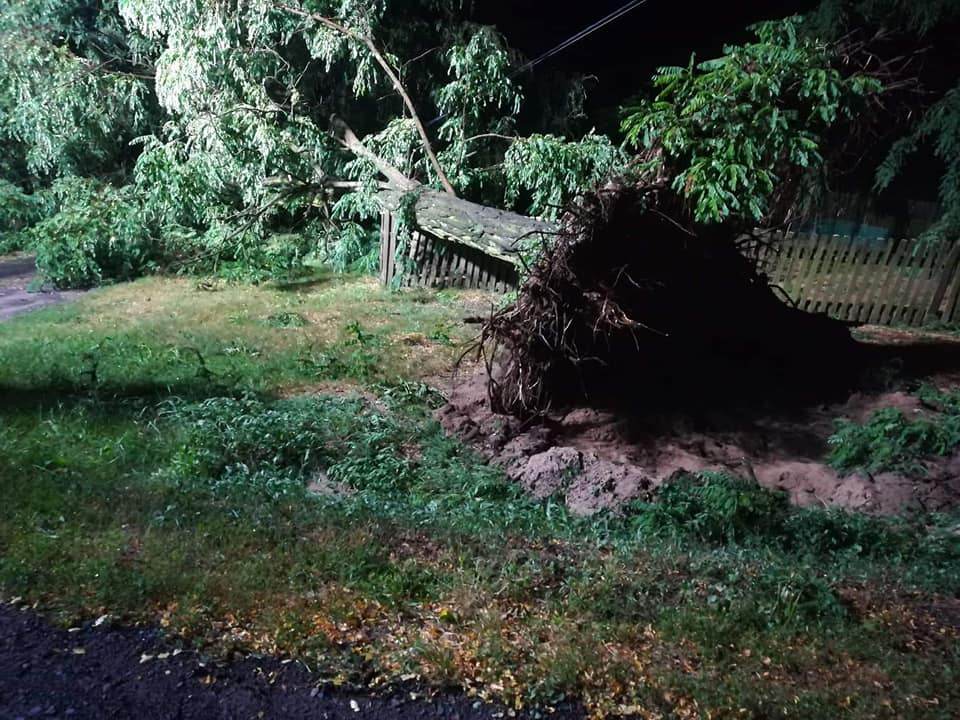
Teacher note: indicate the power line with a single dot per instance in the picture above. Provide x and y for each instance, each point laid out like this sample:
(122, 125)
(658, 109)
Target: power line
(572, 40)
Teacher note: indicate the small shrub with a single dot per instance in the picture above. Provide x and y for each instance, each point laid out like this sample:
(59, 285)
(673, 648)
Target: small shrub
(889, 441)
(714, 507)
(796, 598)
(828, 532)
(287, 320)
(97, 233)
(944, 402)
(409, 395)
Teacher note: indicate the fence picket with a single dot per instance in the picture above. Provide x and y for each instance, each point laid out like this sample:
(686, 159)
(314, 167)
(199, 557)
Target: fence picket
(921, 290)
(847, 289)
(794, 247)
(884, 282)
(860, 303)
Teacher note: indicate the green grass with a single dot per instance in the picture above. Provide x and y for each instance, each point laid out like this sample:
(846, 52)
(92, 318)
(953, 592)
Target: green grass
(163, 336)
(162, 484)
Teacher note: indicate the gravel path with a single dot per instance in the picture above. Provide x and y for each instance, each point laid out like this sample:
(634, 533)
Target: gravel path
(122, 673)
(16, 274)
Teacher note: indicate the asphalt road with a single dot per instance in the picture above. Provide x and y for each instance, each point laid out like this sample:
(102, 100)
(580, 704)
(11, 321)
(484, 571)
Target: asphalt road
(121, 673)
(16, 274)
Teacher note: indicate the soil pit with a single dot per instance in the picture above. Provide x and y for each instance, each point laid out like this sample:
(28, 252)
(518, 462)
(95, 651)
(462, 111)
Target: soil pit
(599, 459)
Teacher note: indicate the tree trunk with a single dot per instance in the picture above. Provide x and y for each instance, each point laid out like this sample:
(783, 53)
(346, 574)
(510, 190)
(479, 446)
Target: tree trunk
(495, 232)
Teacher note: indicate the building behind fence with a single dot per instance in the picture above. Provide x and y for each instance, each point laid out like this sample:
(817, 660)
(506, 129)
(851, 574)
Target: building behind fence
(878, 281)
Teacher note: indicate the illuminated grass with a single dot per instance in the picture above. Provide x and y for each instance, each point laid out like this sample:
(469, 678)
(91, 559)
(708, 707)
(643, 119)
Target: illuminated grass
(149, 472)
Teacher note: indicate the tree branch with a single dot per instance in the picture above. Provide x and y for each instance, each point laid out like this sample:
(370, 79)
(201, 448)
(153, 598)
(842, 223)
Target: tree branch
(349, 139)
(394, 79)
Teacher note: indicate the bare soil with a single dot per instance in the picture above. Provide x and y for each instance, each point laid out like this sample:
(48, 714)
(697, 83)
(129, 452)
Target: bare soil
(122, 673)
(599, 459)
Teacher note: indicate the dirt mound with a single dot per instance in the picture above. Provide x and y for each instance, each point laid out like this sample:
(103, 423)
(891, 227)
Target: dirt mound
(600, 459)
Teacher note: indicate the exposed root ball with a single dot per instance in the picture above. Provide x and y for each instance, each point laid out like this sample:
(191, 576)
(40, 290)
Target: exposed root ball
(629, 306)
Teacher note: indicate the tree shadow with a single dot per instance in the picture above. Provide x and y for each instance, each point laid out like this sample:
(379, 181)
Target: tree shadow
(59, 392)
(305, 283)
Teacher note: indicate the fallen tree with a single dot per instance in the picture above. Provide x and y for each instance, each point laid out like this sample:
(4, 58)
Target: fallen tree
(491, 230)
(496, 232)
(633, 305)
(630, 302)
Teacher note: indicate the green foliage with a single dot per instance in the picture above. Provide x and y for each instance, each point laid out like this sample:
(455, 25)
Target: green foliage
(724, 510)
(715, 508)
(889, 441)
(355, 248)
(742, 130)
(18, 210)
(551, 170)
(773, 597)
(482, 83)
(356, 356)
(226, 144)
(74, 85)
(831, 18)
(245, 442)
(97, 232)
(938, 128)
(478, 106)
(287, 320)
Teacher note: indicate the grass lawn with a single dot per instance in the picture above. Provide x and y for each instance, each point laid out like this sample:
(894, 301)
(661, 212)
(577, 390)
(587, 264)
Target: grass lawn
(167, 454)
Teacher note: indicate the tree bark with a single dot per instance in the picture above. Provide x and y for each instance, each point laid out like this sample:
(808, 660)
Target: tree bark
(495, 232)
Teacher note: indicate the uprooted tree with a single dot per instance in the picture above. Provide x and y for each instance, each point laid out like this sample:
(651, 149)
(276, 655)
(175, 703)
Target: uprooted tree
(263, 130)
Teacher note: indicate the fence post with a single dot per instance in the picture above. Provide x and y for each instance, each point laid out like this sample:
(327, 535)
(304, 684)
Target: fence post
(386, 251)
(946, 275)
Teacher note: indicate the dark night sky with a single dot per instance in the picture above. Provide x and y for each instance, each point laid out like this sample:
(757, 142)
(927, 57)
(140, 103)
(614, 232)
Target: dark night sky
(623, 54)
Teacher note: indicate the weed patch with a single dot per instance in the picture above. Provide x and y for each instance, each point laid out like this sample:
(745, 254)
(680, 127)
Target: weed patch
(889, 441)
(715, 508)
(287, 320)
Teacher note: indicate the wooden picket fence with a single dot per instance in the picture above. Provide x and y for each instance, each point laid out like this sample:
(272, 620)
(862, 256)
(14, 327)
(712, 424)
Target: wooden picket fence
(883, 282)
(427, 261)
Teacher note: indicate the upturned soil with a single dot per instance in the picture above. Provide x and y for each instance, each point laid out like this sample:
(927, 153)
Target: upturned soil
(599, 459)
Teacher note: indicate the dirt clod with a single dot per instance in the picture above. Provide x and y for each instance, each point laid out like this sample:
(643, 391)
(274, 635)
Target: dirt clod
(598, 459)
